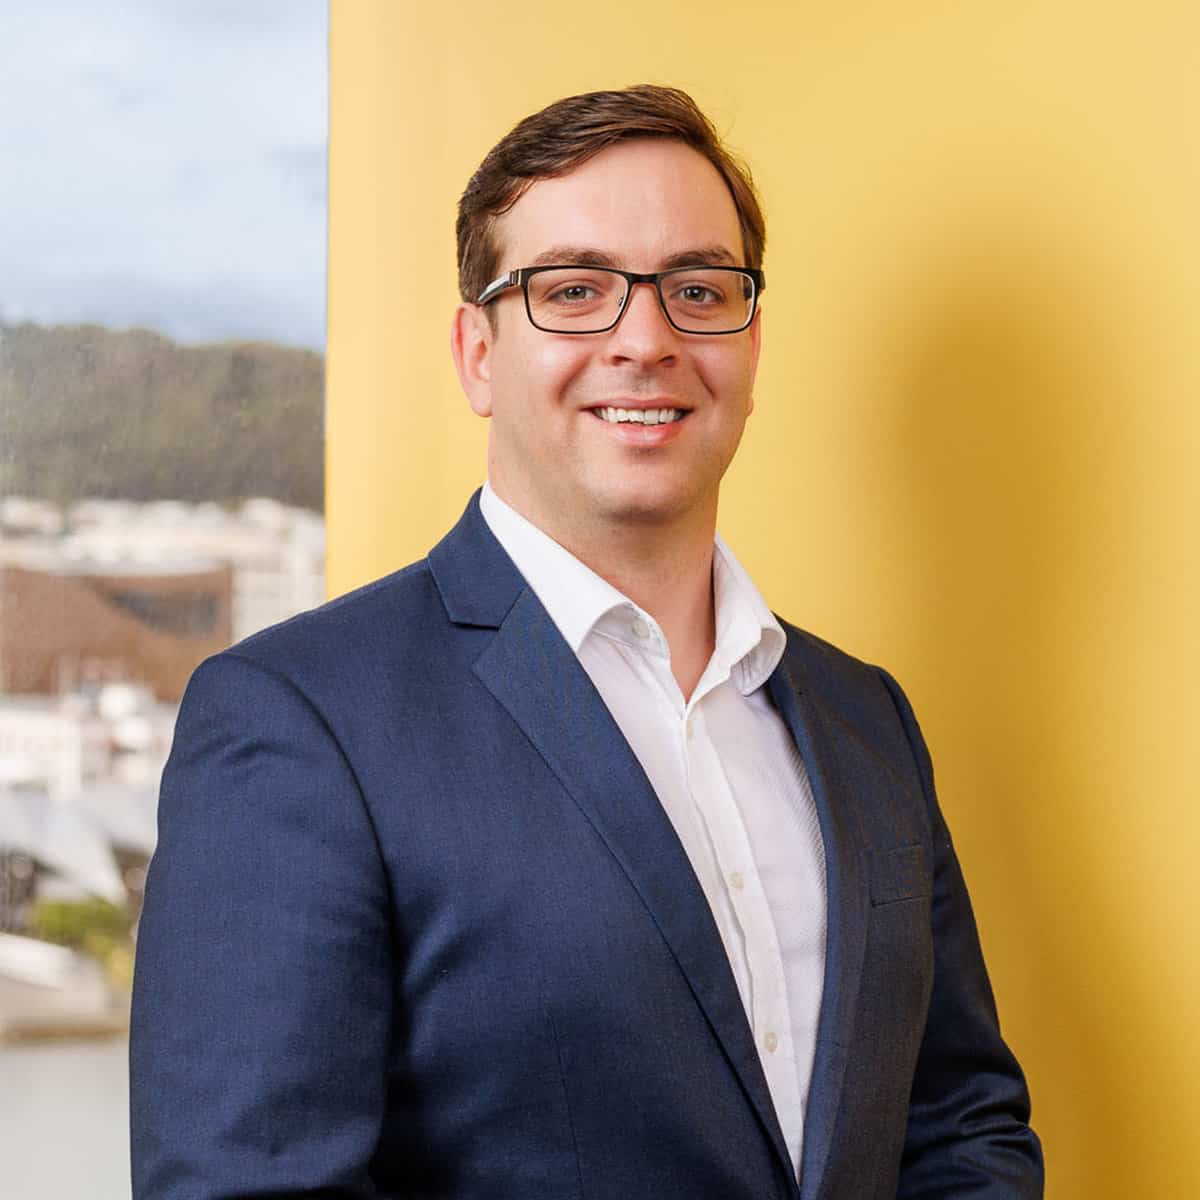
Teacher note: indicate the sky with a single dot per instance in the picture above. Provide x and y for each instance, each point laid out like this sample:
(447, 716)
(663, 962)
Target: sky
(162, 165)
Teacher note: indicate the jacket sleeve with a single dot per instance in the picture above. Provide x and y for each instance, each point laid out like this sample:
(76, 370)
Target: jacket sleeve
(968, 1125)
(262, 990)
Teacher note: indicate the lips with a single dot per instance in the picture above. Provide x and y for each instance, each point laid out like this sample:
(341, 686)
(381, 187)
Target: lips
(644, 431)
(641, 407)
(639, 416)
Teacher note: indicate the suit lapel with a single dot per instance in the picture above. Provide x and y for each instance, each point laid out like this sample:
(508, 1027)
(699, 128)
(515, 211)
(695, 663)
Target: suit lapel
(824, 747)
(532, 672)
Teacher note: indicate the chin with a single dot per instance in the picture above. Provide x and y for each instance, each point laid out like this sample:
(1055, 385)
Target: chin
(646, 506)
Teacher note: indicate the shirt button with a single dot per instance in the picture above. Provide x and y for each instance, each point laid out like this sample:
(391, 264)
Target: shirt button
(640, 628)
(736, 881)
(771, 1042)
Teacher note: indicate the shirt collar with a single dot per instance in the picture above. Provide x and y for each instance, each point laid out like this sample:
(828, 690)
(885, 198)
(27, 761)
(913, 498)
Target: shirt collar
(750, 641)
(572, 593)
(749, 637)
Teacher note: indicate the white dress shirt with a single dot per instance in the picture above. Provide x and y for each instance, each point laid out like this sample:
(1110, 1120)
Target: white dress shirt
(727, 773)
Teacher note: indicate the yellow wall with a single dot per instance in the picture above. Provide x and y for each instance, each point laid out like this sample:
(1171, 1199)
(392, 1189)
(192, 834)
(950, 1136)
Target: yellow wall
(975, 455)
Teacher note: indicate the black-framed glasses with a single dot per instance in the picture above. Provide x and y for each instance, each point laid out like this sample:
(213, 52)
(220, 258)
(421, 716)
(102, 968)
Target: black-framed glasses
(582, 299)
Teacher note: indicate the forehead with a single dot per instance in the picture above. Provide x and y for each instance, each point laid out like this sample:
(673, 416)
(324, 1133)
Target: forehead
(644, 201)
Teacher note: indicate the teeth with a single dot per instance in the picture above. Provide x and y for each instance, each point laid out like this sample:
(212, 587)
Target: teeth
(640, 416)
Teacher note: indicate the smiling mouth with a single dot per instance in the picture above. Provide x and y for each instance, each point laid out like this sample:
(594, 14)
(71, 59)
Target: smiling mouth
(640, 416)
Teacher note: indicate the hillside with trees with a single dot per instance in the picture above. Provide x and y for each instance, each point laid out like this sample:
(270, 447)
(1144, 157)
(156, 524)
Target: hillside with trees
(89, 411)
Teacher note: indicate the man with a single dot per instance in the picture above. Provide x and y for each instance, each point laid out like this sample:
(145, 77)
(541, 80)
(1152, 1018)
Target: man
(554, 865)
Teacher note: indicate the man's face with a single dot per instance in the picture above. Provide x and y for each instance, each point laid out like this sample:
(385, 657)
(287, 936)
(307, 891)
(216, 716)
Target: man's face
(641, 205)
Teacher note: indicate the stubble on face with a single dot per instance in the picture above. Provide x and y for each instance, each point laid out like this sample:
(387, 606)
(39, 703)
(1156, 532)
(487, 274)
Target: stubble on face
(550, 456)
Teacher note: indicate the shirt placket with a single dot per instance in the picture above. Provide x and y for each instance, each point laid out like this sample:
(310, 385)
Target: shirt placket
(766, 1002)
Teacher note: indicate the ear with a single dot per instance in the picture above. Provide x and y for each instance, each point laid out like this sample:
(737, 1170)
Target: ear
(471, 340)
(756, 348)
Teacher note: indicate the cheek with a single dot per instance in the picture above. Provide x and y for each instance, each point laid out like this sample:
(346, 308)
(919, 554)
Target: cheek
(536, 397)
(552, 364)
(535, 372)
(729, 379)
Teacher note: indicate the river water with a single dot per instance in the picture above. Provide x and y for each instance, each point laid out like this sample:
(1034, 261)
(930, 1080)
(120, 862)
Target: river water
(64, 1121)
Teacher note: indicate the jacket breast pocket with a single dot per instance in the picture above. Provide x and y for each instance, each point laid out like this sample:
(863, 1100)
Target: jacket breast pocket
(899, 873)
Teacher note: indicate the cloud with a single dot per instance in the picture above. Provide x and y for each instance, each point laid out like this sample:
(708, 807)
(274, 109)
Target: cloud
(165, 166)
(219, 311)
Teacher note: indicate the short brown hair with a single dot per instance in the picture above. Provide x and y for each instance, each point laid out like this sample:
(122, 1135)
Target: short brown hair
(568, 133)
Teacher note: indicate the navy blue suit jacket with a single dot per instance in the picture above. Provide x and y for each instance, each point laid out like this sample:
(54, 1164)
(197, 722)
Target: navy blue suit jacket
(417, 926)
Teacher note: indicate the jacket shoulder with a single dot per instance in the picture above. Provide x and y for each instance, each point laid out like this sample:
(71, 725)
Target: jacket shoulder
(828, 668)
(390, 617)
(862, 696)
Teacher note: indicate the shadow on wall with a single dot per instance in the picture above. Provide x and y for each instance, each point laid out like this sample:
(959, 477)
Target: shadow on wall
(1005, 417)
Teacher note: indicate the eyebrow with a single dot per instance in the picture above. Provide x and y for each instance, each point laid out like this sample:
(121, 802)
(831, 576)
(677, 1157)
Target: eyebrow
(586, 256)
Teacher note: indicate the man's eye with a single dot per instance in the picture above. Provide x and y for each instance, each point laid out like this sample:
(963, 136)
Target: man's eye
(574, 292)
(699, 293)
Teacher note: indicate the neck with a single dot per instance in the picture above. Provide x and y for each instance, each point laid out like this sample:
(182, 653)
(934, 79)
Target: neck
(664, 567)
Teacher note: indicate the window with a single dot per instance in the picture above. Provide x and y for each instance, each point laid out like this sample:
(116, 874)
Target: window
(161, 481)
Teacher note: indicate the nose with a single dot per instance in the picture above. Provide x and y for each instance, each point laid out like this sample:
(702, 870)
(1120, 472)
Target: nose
(642, 333)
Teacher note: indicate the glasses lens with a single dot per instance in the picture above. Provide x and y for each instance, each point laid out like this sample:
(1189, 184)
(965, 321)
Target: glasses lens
(575, 299)
(703, 300)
